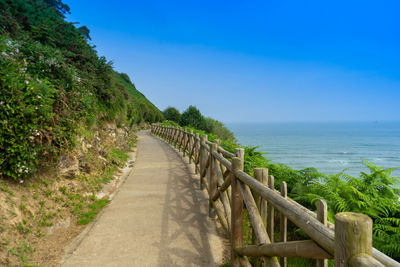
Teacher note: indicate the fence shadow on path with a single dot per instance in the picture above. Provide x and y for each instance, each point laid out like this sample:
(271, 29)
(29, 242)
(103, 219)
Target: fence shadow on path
(185, 233)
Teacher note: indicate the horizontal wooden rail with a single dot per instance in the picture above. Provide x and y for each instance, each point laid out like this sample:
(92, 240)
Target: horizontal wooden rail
(301, 249)
(231, 190)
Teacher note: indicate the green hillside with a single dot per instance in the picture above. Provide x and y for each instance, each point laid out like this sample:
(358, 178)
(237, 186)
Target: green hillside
(51, 81)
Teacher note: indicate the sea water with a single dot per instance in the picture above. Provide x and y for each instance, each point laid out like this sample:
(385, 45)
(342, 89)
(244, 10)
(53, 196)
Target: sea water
(329, 147)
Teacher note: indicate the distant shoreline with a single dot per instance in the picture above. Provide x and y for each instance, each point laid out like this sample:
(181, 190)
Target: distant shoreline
(328, 146)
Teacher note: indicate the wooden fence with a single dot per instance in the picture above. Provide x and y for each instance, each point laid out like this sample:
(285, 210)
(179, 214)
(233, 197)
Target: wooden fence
(231, 191)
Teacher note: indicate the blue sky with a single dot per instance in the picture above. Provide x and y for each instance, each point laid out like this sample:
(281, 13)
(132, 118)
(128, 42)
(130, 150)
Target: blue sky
(259, 61)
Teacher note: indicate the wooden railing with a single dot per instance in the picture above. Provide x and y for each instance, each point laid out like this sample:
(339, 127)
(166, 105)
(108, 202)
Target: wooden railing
(231, 191)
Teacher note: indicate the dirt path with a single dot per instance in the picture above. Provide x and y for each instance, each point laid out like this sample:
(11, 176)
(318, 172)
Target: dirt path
(158, 218)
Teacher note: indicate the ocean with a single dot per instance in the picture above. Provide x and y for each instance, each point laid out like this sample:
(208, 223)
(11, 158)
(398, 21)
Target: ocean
(330, 147)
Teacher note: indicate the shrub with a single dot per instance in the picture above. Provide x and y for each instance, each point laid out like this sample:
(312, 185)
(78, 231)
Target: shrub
(52, 80)
(172, 114)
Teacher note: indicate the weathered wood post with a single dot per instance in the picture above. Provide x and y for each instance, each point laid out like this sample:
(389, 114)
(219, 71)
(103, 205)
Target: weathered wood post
(322, 216)
(237, 212)
(190, 147)
(176, 134)
(196, 152)
(184, 142)
(261, 175)
(222, 167)
(203, 158)
(353, 240)
(283, 224)
(213, 182)
(170, 134)
(270, 219)
(180, 138)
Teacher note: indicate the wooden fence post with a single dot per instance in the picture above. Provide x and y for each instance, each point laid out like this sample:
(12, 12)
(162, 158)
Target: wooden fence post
(261, 175)
(353, 240)
(176, 132)
(283, 224)
(167, 134)
(190, 147)
(322, 216)
(213, 182)
(180, 139)
(203, 158)
(237, 212)
(170, 134)
(184, 142)
(270, 219)
(196, 152)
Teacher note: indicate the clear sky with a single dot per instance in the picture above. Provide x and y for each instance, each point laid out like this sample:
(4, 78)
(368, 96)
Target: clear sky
(255, 61)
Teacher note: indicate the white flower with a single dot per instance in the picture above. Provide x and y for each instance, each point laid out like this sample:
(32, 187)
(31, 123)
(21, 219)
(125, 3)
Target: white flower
(21, 181)
(26, 170)
(17, 50)
(19, 170)
(27, 82)
(36, 108)
(31, 137)
(79, 80)
(1, 102)
(39, 81)
(38, 97)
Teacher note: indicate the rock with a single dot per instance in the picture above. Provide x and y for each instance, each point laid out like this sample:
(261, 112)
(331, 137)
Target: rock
(68, 166)
(84, 166)
(102, 151)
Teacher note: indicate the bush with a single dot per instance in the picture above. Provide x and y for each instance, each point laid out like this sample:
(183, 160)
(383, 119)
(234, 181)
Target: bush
(172, 114)
(218, 128)
(52, 80)
(192, 117)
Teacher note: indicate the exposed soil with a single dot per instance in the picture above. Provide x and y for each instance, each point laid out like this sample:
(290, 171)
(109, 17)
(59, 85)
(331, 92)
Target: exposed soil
(39, 217)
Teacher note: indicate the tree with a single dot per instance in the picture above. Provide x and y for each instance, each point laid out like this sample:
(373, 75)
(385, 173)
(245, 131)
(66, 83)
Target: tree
(218, 128)
(192, 117)
(58, 5)
(172, 114)
(85, 32)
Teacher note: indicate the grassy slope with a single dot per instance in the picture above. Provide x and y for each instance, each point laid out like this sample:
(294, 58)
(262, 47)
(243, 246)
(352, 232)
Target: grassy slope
(144, 109)
(51, 81)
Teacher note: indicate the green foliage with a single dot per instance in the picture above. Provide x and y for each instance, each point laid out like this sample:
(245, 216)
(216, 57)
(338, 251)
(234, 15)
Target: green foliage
(93, 210)
(192, 117)
(172, 114)
(375, 194)
(52, 80)
(218, 128)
